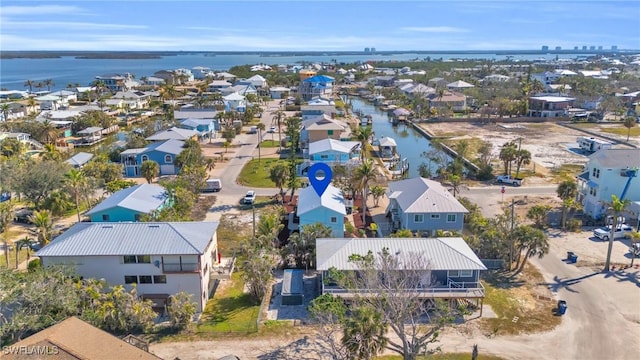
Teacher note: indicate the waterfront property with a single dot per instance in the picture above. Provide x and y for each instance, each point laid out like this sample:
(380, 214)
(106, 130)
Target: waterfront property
(130, 204)
(423, 206)
(609, 172)
(164, 153)
(328, 209)
(89, 136)
(161, 258)
(79, 160)
(323, 127)
(206, 128)
(331, 152)
(318, 85)
(174, 133)
(449, 268)
(453, 100)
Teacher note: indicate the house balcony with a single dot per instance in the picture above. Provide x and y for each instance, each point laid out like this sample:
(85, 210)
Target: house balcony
(224, 269)
(452, 290)
(180, 268)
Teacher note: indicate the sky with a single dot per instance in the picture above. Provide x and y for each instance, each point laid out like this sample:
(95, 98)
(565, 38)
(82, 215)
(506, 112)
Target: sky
(211, 25)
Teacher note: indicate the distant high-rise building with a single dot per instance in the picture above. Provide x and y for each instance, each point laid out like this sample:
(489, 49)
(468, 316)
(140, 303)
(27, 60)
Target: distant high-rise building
(592, 47)
(584, 47)
(614, 47)
(575, 48)
(373, 50)
(545, 48)
(600, 48)
(558, 48)
(367, 50)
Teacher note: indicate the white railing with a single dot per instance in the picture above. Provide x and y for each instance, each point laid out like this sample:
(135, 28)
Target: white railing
(461, 288)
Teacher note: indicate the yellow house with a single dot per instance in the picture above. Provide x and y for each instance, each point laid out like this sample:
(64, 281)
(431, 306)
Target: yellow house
(306, 73)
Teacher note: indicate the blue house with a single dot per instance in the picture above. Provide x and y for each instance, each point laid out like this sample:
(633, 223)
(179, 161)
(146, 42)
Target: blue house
(319, 85)
(329, 209)
(423, 205)
(164, 153)
(206, 128)
(333, 152)
(130, 203)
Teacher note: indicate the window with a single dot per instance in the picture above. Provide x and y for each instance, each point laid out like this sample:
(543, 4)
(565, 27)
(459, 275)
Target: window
(418, 218)
(105, 217)
(130, 279)
(324, 157)
(144, 158)
(466, 273)
(334, 219)
(435, 216)
(167, 159)
(159, 279)
(137, 259)
(596, 173)
(454, 273)
(145, 279)
(451, 218)
(329, 132)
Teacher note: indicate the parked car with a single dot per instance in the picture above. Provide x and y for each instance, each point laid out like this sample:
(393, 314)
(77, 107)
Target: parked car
(5, 196)
(622, 231)
(508, 179)
(23, 216)
(212, 185)
(250, 198)
(272, 130)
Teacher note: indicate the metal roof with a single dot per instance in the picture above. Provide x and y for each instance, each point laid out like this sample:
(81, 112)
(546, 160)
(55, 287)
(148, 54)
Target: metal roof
(331, 199)
(617, 158)
(419, 195)
(174, 147)
(132, 238)
(90, 130)
(79, 159)
(332, 145)
(173, 133)
(438, 253)
(142, 198)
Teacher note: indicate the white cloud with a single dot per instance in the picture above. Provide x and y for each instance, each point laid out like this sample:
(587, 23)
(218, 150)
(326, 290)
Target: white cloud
(434, 29)
(40, 10)
(70, 25)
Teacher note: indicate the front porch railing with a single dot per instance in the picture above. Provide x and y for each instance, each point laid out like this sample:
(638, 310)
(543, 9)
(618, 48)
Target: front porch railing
(452, 288)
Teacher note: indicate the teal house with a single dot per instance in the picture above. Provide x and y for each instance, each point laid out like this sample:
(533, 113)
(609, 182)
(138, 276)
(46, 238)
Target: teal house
(333, 151)
(130, 204)
(328, 209)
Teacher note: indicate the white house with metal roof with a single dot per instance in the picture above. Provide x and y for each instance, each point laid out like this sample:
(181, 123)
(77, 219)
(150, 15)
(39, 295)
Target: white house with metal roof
(79, 160)
(161, 258)
(328, 209)
(424, 206)
(451, 268)
(174, 133)
(130, 204)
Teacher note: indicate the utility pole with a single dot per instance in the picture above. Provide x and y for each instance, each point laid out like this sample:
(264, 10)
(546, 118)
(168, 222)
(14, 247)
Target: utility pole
(513, 204)
(253, 208)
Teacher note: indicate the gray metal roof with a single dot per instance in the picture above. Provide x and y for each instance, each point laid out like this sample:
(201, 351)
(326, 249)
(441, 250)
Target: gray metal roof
(173, 134)
(333, 145)
(79, 159)
(142, 198)
(174, 147)
(438, 253)
(132, 238)
(331, 199)
(617, 158)
(90, 130)
(419, 195)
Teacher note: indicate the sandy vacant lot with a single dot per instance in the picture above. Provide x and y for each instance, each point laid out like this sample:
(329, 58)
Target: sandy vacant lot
(551, 145)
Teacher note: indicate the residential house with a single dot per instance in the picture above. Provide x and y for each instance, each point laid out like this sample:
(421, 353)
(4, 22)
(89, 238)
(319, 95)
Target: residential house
(242, 89)
(332, 152)
(49, 102)
(312, 111)
(306, 74)
(130, 204)
(605, 175)
(79, 160)
(319, 85)
(200, 114)
(16, 110)
(493, 78)
(453, 100)
(174, 133)
(328, 209)
(21, 137)
(437, 82)
(257, 81)
(169, 76)
(164, 153)
(424, 206)
(75, 339)
(133, 99)
(385, 81)
(162, 258)
(13, 94)
(89, 136)
(206, 128)
(235, 102)
(225, 76)
(201, 72)
(451, 268)
(417, 90)
(154, 81)
(550, 106)
(116, 82)
(323, 127)
(459, 85)
(279, 92)
(217, 85)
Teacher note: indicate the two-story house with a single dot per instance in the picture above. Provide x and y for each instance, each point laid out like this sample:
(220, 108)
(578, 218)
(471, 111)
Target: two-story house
(606, 174)
(116, 82)
(206, 128)
(174, 133)
(331, 152)
(161, 258)
(323, 127)
(455, 101)
(130, 204)
(235, 102)
(164, 153)
(550, 106)
(328, 209)
(424, 206)
(447, 267)
(319, 85)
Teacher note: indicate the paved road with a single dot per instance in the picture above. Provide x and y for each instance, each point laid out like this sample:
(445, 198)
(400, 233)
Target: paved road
(491, 200)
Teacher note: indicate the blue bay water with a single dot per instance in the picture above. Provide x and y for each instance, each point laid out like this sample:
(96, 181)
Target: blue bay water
(69, 70)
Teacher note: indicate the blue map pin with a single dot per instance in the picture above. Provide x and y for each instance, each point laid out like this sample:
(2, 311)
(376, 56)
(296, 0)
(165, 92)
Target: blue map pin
(320, 185)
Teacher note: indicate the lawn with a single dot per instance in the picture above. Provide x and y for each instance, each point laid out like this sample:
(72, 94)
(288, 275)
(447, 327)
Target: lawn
(231, 234)
(566, 172)
(22, 256)
(256, 172)
(622, 131)
(230, 311)
(272, 143)
(518, 304)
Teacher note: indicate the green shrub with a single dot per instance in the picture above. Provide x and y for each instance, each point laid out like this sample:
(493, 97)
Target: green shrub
(34, 265)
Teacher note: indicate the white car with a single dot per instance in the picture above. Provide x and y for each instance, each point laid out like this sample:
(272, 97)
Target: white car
(272, 129)
(250, 198)
(622, 231)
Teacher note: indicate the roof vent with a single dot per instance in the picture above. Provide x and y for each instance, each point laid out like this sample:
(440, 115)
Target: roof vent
(107, 226)
(154, 226)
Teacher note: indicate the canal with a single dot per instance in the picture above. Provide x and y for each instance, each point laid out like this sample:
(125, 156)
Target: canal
(410, 142)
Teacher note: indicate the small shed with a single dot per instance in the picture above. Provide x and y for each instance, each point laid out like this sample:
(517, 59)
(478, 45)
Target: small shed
(292, 287)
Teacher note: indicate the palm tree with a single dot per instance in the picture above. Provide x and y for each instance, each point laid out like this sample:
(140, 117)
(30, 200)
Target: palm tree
(364, 174)
(531, 242)
(51, 152)
(48, 131)
(29, 84)
(567, 192)
(32, 103)
(508, 154)
(149, 170)
(364, 333)
(77, 182)
(25, 242)
(11, 147)
(6, 215)
(455, 181)
(523, 157)
(277, 118)
(48, 83)
(364, 135)
(617, 207)
(377, 192)
(629, 122)
(261, 127)
(279, 174)
(44, 226)
(5, 108)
